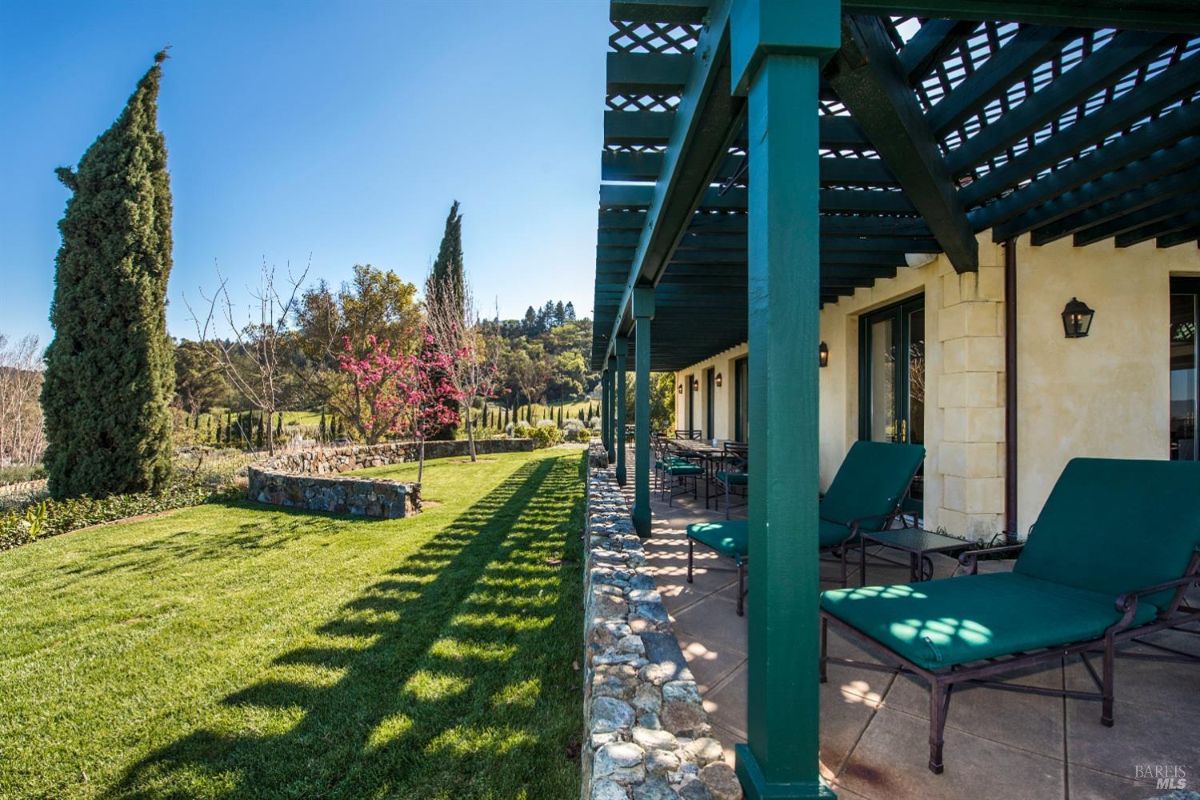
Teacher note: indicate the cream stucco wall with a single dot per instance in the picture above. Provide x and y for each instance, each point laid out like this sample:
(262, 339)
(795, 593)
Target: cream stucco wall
(1104, 395)
(724, 408)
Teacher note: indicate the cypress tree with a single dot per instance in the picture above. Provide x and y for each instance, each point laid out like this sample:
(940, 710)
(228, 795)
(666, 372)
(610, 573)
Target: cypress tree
(110, 372)
(260, 436)
(445, 292)
(278, 426)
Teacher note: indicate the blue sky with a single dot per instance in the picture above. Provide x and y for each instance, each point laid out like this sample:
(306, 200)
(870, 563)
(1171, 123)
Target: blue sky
(340, 129)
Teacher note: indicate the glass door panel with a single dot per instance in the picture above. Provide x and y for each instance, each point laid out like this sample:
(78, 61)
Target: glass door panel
(892, 380)
(882, 358)
(1185, 311)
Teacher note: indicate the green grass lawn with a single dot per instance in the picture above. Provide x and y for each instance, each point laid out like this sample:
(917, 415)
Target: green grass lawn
(239, 651)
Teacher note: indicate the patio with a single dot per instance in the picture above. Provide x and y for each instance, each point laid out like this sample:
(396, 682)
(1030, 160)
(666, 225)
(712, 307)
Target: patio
(874, 725)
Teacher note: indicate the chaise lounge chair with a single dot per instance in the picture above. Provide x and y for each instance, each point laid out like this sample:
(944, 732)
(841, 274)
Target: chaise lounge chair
(1114, 550)
(865, 495)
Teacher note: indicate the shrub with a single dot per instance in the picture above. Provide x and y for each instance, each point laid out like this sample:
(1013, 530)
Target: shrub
(546, 434)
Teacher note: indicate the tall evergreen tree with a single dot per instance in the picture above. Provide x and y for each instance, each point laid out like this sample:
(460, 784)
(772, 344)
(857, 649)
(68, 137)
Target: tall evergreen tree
(446, 285)
(110, 373)
(569, 312)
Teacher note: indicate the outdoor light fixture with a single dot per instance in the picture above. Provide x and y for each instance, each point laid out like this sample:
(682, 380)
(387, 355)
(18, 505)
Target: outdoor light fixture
(823, 354)
(695, 384)
(1077, 319)
(681, 388)
(718, 380)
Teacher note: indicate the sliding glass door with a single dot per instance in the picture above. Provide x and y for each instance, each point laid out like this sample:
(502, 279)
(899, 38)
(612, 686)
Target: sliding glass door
(892, 376)
(1185, 313)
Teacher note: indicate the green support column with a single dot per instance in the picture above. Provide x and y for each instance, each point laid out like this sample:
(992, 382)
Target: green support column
(606, 413)
(622, 347)
(775, 52)
(643, 312)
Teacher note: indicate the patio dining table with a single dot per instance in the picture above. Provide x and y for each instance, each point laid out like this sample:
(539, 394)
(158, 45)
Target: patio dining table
(711, 458)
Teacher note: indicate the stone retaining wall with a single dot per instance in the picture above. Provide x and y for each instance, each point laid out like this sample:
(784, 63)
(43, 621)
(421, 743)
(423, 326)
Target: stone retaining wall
(334, 460)
(311, 479)
(359, 496)
(647, 731)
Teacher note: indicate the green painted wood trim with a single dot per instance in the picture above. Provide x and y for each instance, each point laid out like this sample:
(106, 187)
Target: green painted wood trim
(868, 77)
(1153, 15)
(643, 313)
(781, 756)
(622, 348)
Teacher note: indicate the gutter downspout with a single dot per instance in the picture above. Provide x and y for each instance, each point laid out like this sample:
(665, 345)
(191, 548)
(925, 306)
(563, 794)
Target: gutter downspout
(1010, 391)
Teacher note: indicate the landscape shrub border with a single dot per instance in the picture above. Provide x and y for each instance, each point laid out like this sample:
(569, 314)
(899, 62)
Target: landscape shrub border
(53, 517)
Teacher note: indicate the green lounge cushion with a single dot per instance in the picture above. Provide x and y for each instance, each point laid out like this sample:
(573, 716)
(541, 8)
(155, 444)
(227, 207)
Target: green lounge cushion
(734, 478)
(939, 624)
(1111, 526)
(870, 483)
(685, 468)
(832, 534)
(728, 537)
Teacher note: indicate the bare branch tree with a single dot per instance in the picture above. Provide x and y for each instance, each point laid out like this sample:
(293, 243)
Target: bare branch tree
(22, 437)
(472, 352)
(251, 357)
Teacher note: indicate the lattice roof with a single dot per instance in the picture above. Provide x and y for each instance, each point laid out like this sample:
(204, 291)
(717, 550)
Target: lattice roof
(1046, 129)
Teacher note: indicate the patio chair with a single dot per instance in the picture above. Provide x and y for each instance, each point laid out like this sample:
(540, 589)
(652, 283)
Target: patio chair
(677, 469)
(866, 494)
(729, 538)
(733, 472)
(1115, 548)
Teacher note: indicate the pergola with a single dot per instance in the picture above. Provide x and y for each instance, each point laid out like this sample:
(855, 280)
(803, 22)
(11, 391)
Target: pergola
(730, 211)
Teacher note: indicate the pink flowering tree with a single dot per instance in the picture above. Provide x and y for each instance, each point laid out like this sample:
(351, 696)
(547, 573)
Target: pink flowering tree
(401, 395)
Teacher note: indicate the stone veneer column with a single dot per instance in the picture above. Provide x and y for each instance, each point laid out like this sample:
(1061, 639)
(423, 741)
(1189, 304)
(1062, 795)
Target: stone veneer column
(971, 397)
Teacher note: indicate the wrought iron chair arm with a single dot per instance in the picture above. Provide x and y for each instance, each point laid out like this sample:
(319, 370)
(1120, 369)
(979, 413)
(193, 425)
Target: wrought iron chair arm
(970, 559)
(1128, 600)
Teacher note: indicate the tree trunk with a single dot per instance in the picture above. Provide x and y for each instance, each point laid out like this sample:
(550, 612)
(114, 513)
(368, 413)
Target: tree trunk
(271, 432)
(421, 459)
(470, 435)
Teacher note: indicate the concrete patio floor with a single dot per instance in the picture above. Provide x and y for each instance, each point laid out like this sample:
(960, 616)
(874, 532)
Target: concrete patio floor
(874, 725)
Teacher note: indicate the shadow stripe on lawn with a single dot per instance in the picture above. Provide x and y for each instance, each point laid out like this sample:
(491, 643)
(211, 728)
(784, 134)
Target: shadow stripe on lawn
(330, 752)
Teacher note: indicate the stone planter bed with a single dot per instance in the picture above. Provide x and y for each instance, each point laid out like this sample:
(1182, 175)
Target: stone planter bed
(647, 731)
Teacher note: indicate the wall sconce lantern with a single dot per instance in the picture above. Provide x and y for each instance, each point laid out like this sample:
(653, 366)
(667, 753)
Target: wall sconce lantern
(1077, 319)
(718, 380)
(681, 388)
(695, 384)
(823, 354)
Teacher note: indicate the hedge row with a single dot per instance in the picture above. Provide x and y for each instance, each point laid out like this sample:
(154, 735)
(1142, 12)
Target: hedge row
(52, 517)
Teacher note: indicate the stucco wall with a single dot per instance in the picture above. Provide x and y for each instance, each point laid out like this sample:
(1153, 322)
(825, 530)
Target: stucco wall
(725, 408)
(1105, 395)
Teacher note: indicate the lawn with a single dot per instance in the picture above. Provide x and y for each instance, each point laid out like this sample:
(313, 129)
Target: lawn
(238, 651)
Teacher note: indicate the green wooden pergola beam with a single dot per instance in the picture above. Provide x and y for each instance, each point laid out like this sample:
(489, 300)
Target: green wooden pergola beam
(1145, 195)
(1127, 51)
(1112, 185)
(1124, 223)
(1027, 49)
(654, 128)
(1185, 236)
(705, 122)
(870, 80)
(1151, 15)
(646, 166)
(678, 11)
(1159, 228)
(929, 46)
(647, 73)
(1172, 129)
(1117, 115)
(848, 201)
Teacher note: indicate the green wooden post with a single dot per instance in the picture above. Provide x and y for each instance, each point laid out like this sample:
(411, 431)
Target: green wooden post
(775, 51)
(622, 346)
(606, 421)
(643, 312)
